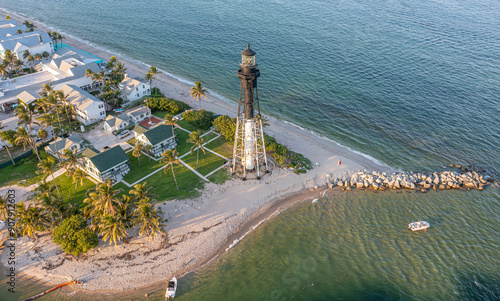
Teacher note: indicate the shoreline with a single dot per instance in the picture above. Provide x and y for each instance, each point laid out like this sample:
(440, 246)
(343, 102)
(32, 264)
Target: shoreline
(227, 214)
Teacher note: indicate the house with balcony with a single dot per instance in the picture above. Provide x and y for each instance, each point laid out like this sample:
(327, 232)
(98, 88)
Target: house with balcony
(160, 138)
(133, 89)
(111, 164)
(120, 122)
(37, 42)
(88, 108)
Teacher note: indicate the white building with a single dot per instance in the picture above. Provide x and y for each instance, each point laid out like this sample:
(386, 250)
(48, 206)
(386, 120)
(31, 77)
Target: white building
(36, 42)
(10, 27)
(120, 122)
(88, 108)
(133, 89)
(160, 138)
(73, 143)
(112, 164)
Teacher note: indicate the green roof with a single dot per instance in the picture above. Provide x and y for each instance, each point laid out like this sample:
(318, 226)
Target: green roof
(159, 134)
(109, 159)
(139, 129)
(89, 152)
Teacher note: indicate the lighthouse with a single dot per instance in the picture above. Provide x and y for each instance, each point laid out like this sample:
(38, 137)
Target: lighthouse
(249, 153)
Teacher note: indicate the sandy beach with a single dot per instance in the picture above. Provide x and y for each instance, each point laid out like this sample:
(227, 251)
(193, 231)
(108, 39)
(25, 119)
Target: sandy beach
(198, 229)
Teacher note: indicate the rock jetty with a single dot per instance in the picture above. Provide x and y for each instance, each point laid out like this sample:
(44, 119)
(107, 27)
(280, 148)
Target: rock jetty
(421, 181)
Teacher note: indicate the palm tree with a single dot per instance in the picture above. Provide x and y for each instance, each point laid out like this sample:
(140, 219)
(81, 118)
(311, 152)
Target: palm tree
(170, 120)
(197, 92)
(26, 54)
(24, 138)
(72, 173)
(120, 69)
(80, 176)
(5, 143)
(45, 198)
(154, 72)
(198, 141)
(38, 57)
(102, 201)
(71, 161)
(111, 63)
(30, 220)
(3, 68)
(31, 61)
(141, 191)
(7, 17)
(4, 207)
(46, 167)
(137, 152)
(63, 100)
(170, 158)
(125, 210)
(147, 149)
(113, 228)
(18, 65)
(149, 77)
(47, 89)
(148, 217)
(42, 134)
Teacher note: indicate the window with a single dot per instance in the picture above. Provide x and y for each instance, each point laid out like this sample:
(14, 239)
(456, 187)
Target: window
(102, 112)
(143, 86)
(137, 88)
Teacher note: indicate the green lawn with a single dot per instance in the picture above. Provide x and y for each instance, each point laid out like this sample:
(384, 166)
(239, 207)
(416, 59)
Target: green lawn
(221, 146)
(220, 176)
(209, 136)
(137, 172)
(188, 126)
(207, 162)
(23, 173)
(67, 187)
(182, 146)
(189, 183)
(160, 114)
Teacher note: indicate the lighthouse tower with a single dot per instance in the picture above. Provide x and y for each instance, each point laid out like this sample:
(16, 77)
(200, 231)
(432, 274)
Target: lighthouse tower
(249, 153)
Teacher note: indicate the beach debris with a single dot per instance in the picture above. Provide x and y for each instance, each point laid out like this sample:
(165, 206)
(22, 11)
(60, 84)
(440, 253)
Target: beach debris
(466, 177)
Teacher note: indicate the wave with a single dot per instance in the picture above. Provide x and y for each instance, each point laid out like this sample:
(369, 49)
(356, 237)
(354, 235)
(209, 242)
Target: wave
(331, 140)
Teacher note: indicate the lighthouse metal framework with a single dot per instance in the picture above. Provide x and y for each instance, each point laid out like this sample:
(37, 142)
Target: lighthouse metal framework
(249, 153)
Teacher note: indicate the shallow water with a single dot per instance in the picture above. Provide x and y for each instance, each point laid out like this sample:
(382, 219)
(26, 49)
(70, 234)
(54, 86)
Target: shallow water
(413, 84)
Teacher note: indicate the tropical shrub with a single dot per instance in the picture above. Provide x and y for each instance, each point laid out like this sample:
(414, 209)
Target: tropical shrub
(202, 119)
(226, 126)
(170, 105)
(74, 236)
(285, 157)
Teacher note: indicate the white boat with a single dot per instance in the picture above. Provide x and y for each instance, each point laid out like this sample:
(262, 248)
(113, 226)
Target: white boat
(171, 288)
(417, 226)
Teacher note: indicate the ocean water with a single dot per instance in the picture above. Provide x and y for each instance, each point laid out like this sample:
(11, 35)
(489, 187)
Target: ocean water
(413, 84)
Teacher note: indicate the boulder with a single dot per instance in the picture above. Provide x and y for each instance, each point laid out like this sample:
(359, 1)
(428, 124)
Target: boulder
(442, 187)
(359, 185)
(397, 185)
(427, 186)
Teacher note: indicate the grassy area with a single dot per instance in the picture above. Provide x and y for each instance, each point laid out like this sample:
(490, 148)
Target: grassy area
(23, 173)
(14, 151)
(160, 114)
(207, 162)
(139, 171)
(182, 146)
(131, 141)
(188, 126)
(209, 136)
(67, 188)
(220, 176)
(189, 183)
(221, 146)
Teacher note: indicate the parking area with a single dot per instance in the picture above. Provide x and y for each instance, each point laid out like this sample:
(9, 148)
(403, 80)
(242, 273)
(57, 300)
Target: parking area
(100, 138)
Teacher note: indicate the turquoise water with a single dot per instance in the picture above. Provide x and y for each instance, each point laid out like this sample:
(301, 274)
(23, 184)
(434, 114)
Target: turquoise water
(413, 84)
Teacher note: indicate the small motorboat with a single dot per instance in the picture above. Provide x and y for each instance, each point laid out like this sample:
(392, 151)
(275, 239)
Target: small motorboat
(171, 288)
(417, 226)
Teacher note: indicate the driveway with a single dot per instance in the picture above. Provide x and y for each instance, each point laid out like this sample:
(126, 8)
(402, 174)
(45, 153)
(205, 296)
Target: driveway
(100, 138)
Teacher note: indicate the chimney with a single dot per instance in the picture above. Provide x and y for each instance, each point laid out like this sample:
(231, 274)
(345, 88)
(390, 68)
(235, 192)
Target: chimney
(40, 37)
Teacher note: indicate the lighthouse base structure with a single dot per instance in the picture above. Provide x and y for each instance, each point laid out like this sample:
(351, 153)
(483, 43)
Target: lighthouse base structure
(249, 153)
